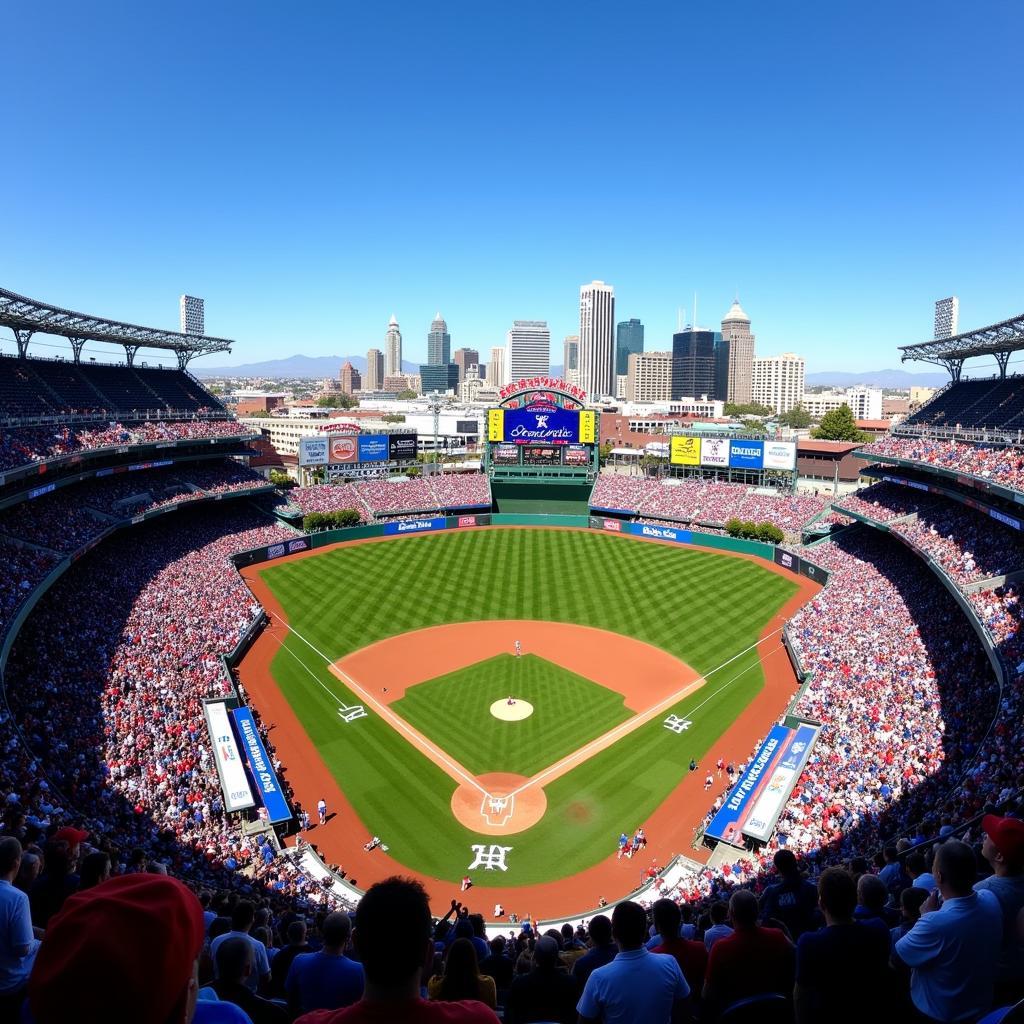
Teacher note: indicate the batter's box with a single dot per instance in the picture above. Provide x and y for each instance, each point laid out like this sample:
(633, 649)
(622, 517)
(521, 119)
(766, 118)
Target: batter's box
(497, 810)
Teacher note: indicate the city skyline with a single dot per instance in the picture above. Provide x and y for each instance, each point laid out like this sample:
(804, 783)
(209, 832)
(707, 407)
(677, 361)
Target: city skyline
(303, 237)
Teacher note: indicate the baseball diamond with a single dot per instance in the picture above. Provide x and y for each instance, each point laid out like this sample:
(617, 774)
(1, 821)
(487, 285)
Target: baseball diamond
(617, 639)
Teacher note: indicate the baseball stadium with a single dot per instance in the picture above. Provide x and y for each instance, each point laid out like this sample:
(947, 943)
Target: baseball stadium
(542, 687)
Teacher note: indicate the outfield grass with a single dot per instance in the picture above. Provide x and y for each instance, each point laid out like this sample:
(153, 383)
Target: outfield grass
(454, 711)
(702, 607)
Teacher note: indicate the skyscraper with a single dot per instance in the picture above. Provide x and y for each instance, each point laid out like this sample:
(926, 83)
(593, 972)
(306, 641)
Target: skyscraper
(629, 338)
(571, 358)
(193, 318)
(374, 370)
(439, 343)
(351, 379)
(392, 349)
(496, 376)
(693, 364)
(597, 347)
(529, 349)
(737, 353)
(464, 358)
(649, 378)
(779, 382)
(947, 317)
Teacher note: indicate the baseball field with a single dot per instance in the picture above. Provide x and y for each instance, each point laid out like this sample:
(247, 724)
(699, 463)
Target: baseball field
(398, 667)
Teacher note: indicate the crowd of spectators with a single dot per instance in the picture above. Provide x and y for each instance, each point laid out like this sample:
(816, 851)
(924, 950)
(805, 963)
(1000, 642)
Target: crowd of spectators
(703, 501)
(329, 498)
(387, 498)
(1003, 464)
(23, 568)
(884, 502)
(25, 445)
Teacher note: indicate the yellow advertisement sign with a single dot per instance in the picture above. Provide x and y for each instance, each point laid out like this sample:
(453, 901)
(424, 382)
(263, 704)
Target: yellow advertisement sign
(495, 424)
(588, 427)
(684, 451)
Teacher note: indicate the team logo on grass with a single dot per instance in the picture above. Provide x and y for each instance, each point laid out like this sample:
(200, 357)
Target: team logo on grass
(489, 857)
(347, 714)
(497, 810)
(677, 724)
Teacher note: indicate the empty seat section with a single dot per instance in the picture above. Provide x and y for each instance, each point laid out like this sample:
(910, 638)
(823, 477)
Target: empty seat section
(21, 393)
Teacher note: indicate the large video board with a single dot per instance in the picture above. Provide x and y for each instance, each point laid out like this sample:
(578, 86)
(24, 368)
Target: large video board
(356, 449)
(541, 425)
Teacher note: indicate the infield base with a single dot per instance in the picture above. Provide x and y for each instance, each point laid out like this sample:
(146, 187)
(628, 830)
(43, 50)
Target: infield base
(514, 712)
(500, 811)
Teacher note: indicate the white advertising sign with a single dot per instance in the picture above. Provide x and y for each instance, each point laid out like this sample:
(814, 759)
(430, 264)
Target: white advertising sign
(714, 452)
(230, 766)
(313, 451)
(779, 455)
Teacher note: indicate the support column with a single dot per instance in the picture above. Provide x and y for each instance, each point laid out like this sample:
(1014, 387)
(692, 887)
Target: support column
(76, 344)
(955, 366)
(184, 355)
(21, 336)
(1002, 358)
(129, 351)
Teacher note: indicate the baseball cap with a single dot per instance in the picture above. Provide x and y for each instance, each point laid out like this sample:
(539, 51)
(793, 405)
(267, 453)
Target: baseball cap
(1007, 835)
(121, 951)
(70, 835)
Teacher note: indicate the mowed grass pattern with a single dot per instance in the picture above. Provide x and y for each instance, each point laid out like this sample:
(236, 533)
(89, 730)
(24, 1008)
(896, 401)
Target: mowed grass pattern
(454, 711)
(703, 607)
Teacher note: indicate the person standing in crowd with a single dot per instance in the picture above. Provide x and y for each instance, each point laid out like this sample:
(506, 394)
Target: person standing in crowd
(952, 950)
(690, 954)
(793, 900)
(462, 978)
(719, 929)
(326, 980)
(602, 949)
(281, 964)
(637, 987)
(1003, 848)
(498, 966)
(235, 963)
(546, 993)
(18, 944)
(242, 918)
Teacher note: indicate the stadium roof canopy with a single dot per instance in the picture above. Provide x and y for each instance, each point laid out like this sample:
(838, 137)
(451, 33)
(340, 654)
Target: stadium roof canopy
(998, 340)
(26, 317)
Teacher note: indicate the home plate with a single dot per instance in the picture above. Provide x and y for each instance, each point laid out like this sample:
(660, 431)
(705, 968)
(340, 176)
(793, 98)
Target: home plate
(514, 712)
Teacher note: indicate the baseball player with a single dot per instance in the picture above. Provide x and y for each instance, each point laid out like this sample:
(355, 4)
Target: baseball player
(519, 648)
(321, 809)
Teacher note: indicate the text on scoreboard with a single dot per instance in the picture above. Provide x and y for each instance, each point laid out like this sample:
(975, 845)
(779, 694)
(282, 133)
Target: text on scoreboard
(541, 425)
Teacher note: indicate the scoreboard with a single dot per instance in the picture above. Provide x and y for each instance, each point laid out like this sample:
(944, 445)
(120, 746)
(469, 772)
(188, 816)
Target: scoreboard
(542, 425)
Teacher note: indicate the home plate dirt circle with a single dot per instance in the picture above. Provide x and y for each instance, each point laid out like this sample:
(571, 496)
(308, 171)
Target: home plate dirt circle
(514, 712)
(474, 809)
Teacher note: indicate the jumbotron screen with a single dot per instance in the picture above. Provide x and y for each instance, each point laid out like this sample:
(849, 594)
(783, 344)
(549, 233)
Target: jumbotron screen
(541, 424)
(542, 455)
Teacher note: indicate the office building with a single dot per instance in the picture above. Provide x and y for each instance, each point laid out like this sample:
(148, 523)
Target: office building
(571, 358)
(694, 365)
(597, 343)
(401, 382)
(779, 382)
(629, 338)
(351, 379)
(529, 349)
(464, 358)
(439, 343)
(736, 357)
(496, 368)
(393, 349)
(192, 314)
(374, 369)
(649, 377)
(947, 317)
(442, 378)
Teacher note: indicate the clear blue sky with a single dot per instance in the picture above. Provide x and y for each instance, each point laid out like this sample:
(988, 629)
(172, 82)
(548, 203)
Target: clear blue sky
(310, 169)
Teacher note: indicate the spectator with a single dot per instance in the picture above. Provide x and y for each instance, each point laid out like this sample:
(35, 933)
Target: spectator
(1003, 848)
(235, 963)
(719, 928)
(911, 900)
(281, 964)
(327, 980)
(690, 954)
(56, 882)
(546, 993)
(95, 869)
(394, 942)
(637, 986)
(602, 949)
(498, 966)
(952, 950)
(750, 962)
(792, 900)
(18, 944)
(917, 868)
(242, 918)
(841, 970)
(462, 978)
(871, 899)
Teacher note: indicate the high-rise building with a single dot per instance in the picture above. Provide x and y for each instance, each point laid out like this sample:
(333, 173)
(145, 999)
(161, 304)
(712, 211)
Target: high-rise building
(571, 358)
(737, 356)
(443, 377)
(193, 316)
(649, 377)
(529, 349)
(464, 358)
(374, 370)
(779, 382)
(393, 349)
(947, 317)
(496, 376)
(694, 365)
(629, 338)
(597, 345)
(439, 343)
(351, 379)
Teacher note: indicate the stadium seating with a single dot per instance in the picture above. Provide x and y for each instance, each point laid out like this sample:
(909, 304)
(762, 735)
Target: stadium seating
(1001, 464)
(990, 404)
(386, 499)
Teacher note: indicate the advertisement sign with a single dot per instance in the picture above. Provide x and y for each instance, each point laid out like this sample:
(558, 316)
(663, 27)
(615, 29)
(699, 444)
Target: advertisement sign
(542, 455)
(402, 447)
(539, 425)
(577, 455)
(505, 455)
(458, 522)
(813, 572)
(787, 560)
(342, 448)
(1004, 519)
(373, 448)
(467, 427)
(660, 532)
(260, 767)
(772, 797)
(779, 455)
(401, 526)
(297, 545)
(588, 427)
(684, 451)
(275, 551)
(727, 825)
(615, 525)
(714, 451)
(230, 767)
(746, 454)
(312, 451)
(495, 424)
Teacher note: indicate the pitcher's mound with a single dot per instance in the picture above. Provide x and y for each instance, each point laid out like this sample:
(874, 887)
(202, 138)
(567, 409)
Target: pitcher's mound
(512, 712)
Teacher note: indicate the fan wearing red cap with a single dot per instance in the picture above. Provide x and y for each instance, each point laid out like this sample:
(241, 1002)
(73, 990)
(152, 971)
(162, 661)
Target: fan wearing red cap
(126, 950)
(1003, 848)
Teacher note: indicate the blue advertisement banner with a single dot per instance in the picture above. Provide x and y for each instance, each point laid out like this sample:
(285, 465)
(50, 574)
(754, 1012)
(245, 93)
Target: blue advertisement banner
(746, 454)
(542, 425)
(726, 826)
(660, 532)
(400, 526)
(373, 447)
(260, 767)
(799, 747)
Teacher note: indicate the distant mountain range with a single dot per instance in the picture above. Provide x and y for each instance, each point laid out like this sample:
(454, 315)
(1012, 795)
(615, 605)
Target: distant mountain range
(876, 379)
(304, 367)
